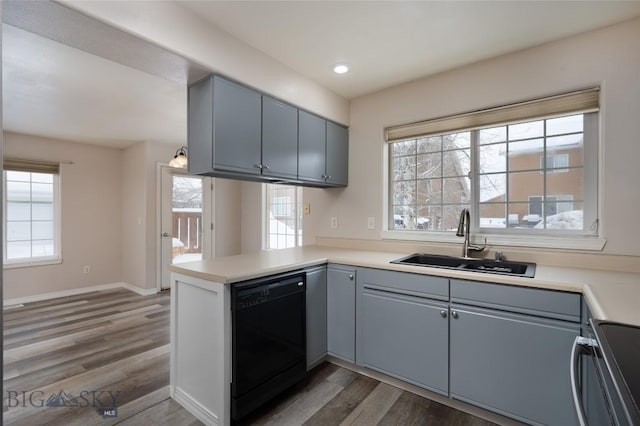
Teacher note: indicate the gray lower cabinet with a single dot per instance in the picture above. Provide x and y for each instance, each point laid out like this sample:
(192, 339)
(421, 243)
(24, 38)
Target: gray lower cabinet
(514, 364)
(341, 312)
(405, 336)
(316, 315)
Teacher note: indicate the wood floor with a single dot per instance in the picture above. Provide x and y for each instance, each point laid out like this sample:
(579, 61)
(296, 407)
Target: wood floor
(68, 359)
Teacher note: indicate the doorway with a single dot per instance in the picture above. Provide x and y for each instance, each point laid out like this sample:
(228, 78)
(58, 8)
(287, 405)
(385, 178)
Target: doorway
(186, 220)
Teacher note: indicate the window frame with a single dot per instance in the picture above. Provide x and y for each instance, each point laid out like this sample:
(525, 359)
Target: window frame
(296, 206)
(56, 258)
(589, 238)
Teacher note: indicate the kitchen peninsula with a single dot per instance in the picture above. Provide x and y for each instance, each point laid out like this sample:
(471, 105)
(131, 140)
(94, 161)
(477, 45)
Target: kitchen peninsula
(201, 330)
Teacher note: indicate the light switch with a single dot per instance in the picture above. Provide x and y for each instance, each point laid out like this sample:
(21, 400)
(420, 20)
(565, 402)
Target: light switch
(306, 208)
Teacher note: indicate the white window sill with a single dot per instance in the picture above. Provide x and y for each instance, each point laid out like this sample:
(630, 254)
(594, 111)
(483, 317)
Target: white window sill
(30, 263)
(565, 242)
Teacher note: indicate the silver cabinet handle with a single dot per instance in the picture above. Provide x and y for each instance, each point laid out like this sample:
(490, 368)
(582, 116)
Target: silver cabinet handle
(165, 234)
(454, 314)
(581, 346)
(351, 277)
(265, 167)
(443, 313)
(328, 176)
(258, 166)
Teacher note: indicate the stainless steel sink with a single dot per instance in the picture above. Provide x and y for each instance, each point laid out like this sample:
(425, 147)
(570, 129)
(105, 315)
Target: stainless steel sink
(502, 267)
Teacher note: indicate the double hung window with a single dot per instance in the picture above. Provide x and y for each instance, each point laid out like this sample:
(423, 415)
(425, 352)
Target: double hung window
(32, 212)
(283, 216)
(523, 169)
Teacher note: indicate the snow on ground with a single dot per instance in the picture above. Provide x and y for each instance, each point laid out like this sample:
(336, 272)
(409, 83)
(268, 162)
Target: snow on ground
(565, 220)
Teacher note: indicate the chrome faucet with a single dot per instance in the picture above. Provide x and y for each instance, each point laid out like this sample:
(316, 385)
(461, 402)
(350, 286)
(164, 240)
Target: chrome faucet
(463, 231)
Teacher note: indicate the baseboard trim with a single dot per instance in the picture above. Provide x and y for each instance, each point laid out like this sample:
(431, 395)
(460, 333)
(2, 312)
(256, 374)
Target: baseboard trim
(10, 303)
(194, 407)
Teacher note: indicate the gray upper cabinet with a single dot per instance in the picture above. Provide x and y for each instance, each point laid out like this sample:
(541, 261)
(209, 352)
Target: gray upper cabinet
(236, 127)
(341, 312)
(337, 159)
(279, 139)
(239, 133)
(312, 147)
(323, 151)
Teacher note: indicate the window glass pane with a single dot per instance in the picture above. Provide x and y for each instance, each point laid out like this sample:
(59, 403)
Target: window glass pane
(431, 144)
(525, 155)
(493, 215)
(532, 129)
(42, 177)
(494, 134)
(18, 249)
(492, 158)
(42, 248)
(284, 210)
(568, 216)
(403, 217)
(18, 176)
(451, 216)
(42, 192)
(42, 230)
(569, 124)
(18, 191)
(428, 218)
(18, 211)
(429, 191)
(404, 168)
(456, 141)
(456, 163)
(518, 216)
(456, 190)
(404, 148)
(493, 187)
(523, 185)
(42, 211)
(18, 231)
(404, 193)
(570, 183)
(568, 146)
(429, 165)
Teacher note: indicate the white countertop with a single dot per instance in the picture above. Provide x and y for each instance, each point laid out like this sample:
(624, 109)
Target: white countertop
(613, 296)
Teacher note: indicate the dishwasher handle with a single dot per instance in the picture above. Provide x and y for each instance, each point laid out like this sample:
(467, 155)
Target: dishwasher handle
(581, 345)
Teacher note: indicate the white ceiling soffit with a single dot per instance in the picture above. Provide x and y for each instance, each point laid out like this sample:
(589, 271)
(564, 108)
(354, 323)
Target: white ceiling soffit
(72, 77)
(53, 90)
(391, 42)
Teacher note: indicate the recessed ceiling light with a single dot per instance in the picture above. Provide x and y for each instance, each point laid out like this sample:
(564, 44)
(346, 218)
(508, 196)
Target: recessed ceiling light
(340, 68)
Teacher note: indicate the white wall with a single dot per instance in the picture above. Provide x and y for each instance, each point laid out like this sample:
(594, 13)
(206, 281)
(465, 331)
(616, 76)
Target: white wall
(180, 30)
(227, 217)
(609, 57)
(252, 214)
(90, 215)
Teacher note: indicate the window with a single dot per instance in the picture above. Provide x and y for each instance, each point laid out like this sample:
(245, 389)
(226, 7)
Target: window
(31, 207)
(283, 216)
(525, 176)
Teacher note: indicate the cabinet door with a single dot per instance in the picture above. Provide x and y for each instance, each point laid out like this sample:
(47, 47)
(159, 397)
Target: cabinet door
(513, 364)
(406, 337)
(311, 147)
(341, 313)
(200, 126)
(237, 112)
(337, 154)
(279, 139)
(316, 316)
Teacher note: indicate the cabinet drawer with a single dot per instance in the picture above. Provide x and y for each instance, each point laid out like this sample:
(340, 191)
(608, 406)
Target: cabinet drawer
(532, 301)
(407, 283)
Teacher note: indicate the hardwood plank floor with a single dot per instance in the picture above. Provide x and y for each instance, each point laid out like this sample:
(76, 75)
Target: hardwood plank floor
(95, 348)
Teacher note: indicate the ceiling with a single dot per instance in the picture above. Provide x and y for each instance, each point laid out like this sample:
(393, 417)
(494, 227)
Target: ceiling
(58, 89)
(391, 42)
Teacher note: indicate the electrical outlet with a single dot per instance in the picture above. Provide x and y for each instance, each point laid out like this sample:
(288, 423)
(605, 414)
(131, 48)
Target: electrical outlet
(371, 222)
(334, 222)
(86, 269)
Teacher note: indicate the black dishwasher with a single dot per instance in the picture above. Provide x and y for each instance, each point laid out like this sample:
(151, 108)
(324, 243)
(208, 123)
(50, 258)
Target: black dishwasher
(268, 339)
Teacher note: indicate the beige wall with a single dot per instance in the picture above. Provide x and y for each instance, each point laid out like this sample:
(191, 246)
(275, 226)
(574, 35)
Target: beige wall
(608, 57)
(175, 28)
(90, 210)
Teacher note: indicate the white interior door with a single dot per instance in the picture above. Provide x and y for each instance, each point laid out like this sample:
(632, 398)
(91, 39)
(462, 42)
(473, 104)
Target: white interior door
(186, 208)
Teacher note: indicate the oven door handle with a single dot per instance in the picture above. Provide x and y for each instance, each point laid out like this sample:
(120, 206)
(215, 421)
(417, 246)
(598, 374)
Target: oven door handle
(581, 345)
